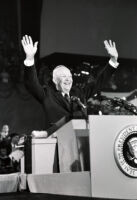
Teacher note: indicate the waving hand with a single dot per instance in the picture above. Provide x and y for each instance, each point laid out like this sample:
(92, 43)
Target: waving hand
(29, 47)
(111, 49)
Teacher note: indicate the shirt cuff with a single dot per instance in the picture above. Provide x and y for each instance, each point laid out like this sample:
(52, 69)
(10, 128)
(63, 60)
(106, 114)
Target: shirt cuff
(28, 63)
(115, 65)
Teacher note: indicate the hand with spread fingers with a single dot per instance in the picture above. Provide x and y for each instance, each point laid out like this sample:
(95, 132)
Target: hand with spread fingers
(111, 49)
(29, 47)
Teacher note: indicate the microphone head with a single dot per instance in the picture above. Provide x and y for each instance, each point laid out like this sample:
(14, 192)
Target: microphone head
(77, 100)
(74, 98)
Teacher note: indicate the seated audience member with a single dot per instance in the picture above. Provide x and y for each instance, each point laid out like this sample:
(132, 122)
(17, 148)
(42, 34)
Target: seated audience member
(10, 154)
(4, 132)
(14, 139)
(15, 152)
(60, 99)
(5, 161)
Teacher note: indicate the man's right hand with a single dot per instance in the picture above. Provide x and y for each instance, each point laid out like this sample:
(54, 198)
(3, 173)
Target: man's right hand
(30, 49)
(39, 134)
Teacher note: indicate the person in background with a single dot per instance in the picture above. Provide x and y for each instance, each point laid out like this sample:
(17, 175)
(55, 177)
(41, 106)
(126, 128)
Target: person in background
(10, 154)
(14, 139)
(4, 132)
(5, 161)
(15, 152)
(60, 99)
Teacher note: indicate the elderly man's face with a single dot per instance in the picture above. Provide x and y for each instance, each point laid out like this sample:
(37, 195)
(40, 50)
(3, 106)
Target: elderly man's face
(64, 80)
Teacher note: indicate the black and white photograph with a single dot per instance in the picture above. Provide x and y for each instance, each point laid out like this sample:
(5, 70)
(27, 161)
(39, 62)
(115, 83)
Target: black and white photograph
(68, 99)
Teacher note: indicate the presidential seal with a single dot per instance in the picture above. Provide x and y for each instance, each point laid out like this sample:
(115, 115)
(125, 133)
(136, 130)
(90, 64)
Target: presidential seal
(125, 150)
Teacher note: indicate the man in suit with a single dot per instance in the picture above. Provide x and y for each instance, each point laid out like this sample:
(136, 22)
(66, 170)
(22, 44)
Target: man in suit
(60, 99)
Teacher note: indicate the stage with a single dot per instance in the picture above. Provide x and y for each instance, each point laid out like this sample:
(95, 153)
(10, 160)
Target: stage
(39, 196)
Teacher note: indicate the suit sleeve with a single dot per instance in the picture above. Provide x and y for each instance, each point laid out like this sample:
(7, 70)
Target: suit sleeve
(102, 79)
(32, 83)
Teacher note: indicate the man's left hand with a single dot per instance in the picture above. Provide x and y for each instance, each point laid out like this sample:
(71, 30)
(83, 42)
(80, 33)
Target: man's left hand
(111, 49)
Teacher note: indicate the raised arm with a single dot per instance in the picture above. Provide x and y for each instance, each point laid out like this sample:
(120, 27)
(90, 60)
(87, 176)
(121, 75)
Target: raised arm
(30, 75)
(106, 73)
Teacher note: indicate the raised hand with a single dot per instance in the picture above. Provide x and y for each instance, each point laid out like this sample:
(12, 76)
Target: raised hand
(30, 49)
(111, 49)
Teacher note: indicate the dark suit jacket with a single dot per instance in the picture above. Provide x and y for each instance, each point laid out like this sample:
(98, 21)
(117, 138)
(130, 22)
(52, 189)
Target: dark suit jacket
(54, 104)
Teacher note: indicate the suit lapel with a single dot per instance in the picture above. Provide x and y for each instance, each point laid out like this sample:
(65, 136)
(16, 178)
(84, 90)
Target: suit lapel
(62, 101)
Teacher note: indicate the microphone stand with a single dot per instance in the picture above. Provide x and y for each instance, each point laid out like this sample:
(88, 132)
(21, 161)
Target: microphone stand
(83, 108)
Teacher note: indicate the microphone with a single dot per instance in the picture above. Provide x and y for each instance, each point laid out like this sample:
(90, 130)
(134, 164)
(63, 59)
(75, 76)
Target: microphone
(77, 100)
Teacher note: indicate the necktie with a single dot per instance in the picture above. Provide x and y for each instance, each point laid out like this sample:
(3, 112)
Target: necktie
(67, 97)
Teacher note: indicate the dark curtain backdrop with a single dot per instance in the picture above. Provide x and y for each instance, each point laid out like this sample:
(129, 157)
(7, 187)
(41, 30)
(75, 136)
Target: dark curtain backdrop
(81, 26)
(18, 108)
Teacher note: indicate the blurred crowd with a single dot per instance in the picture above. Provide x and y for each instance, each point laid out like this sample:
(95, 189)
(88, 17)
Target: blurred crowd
(11, 151)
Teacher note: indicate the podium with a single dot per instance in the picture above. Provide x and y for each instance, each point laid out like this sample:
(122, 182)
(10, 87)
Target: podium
(112, 174)
(73, 153)
(109, 143)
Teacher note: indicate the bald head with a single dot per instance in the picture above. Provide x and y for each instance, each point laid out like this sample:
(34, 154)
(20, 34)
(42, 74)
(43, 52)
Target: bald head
(62, 78)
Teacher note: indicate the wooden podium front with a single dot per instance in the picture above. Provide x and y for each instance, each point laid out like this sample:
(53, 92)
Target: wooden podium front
(73, 146)
(112, 176)
(41, 156)
(73, 152)
(44, 156)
